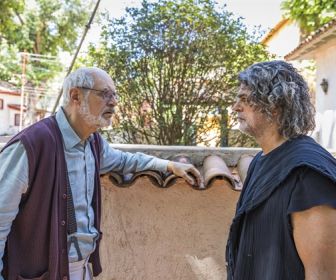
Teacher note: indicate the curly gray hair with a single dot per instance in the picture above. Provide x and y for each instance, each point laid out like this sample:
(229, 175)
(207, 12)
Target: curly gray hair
(277, 86)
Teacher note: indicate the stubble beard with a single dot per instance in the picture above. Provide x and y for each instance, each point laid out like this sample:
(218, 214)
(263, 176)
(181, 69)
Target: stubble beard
(255, 130)
(90, 119)
(249, 130)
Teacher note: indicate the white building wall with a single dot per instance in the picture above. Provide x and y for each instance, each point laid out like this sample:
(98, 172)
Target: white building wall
(284, 41)
(7, 115)
(12, 128)
(4, 116)
(326, 102)
(326, 69)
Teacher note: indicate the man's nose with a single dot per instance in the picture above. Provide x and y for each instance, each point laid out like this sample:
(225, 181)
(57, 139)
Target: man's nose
(113, 100)
(236, 106)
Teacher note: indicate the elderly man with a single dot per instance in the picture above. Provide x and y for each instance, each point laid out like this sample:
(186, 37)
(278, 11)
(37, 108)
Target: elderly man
(50, 201)
(285, 222)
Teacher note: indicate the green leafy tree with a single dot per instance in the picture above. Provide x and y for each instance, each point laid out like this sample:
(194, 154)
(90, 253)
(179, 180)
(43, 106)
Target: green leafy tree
(10, 11)
(176, 65)
(309, 14)
(43, 27)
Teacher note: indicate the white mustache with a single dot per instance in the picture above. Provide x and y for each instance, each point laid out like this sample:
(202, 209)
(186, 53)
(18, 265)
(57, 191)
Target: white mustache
(110, 111)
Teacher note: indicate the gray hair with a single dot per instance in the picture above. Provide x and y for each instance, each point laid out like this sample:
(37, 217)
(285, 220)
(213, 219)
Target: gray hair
(276, 86)
(82, 77)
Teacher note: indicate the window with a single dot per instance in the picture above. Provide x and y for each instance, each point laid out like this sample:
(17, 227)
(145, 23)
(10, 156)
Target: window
(17, 119)
(1, 104)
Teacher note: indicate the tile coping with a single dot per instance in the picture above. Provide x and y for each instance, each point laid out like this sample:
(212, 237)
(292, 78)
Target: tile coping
(230, 155)
(196, 153)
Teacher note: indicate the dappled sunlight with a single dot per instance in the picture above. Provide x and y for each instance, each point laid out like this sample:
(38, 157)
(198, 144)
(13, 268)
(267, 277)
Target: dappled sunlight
(206, 268)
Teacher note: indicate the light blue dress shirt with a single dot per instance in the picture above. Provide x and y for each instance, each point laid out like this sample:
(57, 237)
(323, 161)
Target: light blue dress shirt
(81, 169)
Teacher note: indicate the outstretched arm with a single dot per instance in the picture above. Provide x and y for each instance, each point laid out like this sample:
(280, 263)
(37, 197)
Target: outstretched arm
(123, 162)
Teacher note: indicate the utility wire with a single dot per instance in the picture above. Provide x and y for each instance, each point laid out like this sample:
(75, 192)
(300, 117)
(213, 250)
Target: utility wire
(87, 27)
(38, 55)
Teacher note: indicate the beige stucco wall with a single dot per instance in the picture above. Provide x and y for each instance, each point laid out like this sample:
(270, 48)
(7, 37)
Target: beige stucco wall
(175, 233)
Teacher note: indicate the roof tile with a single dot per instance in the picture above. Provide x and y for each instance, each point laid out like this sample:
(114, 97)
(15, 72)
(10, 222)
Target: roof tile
(312, 36)
(213, 168)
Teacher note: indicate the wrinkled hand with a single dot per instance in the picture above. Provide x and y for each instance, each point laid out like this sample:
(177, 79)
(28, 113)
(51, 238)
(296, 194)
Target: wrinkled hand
(182, 170)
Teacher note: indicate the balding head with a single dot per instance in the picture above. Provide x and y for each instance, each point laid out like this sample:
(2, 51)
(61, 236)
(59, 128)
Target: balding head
(84, 77)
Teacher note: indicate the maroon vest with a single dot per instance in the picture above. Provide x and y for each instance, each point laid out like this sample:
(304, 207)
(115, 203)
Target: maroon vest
(36, 246)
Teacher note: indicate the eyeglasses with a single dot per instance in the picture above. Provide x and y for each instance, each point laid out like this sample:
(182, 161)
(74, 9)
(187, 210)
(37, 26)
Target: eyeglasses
(106, 95)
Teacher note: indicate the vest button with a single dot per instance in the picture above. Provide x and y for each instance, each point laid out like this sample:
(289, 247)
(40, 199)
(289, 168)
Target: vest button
(63, 223)
(64, 196)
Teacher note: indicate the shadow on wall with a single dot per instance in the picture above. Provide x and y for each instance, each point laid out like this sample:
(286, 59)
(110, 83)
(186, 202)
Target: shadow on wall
(170, 233)
(153, 233)
(206, 268)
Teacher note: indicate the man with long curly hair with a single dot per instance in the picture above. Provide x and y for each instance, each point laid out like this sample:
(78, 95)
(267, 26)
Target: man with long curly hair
(285, 222)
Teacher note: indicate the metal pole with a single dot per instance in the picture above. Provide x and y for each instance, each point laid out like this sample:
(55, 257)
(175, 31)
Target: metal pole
(23, 81)
(224, 132)
(87, 27)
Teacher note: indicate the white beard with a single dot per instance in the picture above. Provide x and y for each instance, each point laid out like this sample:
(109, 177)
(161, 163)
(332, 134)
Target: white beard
(91, 120)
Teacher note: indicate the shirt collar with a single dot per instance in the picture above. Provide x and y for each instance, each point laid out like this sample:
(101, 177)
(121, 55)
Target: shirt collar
(70, 137)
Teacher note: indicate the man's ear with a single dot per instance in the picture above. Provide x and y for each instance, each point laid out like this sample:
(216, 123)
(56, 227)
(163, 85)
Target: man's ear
(76, 96)
(275, 112)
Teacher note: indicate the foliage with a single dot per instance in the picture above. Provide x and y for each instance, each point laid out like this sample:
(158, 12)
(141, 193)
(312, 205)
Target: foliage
(44, 27)
(38, 70)
(9, 11)
(176, 65)
(310, 14)
(9, 66)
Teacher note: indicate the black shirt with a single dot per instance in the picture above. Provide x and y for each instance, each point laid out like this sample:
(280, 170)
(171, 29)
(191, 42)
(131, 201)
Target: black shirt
(263, 246)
